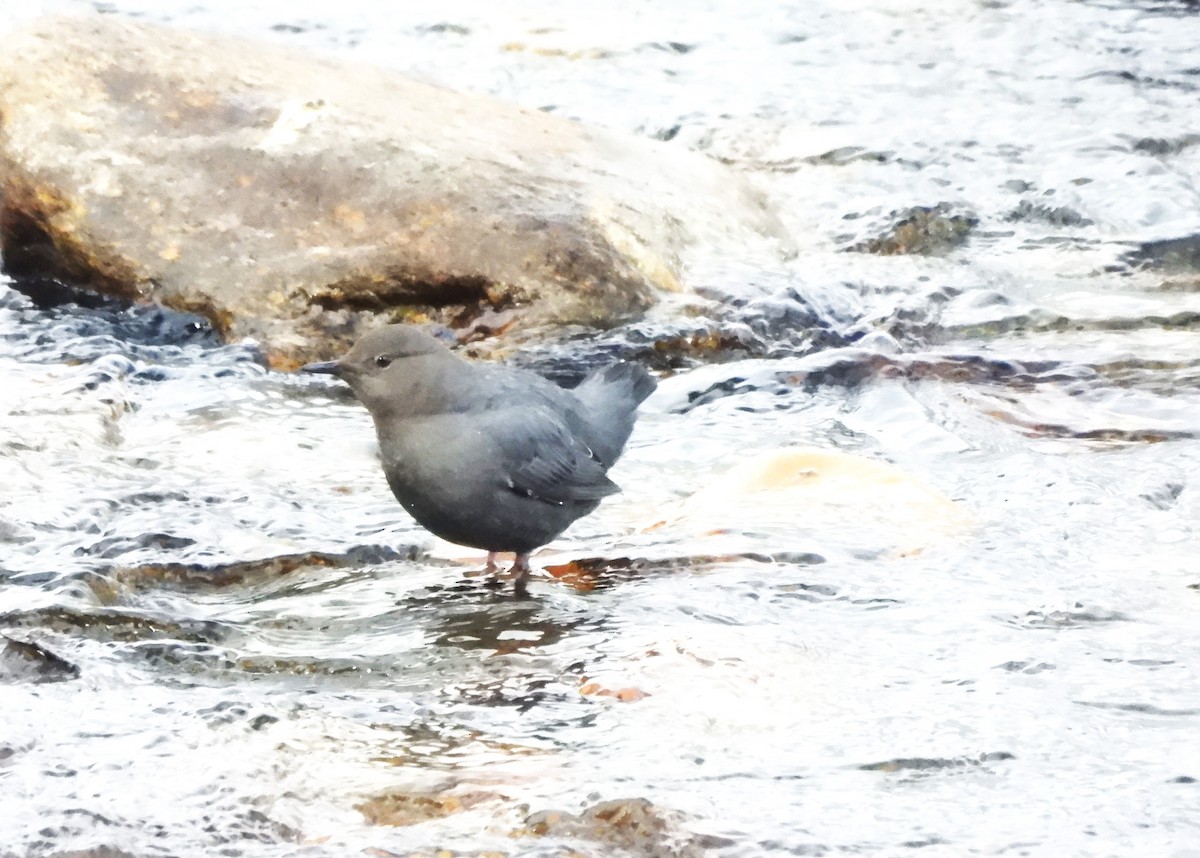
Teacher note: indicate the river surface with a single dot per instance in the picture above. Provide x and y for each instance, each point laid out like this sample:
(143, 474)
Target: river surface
(979, 636)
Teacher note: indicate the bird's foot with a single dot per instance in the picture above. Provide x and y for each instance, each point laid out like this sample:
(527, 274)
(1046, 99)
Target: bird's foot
(520, 572)
(491, 569)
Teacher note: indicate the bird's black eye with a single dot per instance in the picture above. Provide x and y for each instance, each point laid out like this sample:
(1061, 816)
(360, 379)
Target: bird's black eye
(383, 361)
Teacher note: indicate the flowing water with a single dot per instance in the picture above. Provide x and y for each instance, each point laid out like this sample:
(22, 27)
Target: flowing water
(978, 635)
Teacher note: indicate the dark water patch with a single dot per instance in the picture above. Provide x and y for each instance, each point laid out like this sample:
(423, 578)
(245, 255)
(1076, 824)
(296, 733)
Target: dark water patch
(1003, 388)
(839, 157)
(1164, 497)
(1027, 211)
(784, 322)
(1143, 82)
(924, 765)
(1106, 436)
(958, 369)
(154, 337)
(1165, 377)
(228, 712)
(311, 666)
(850, 368)
(1184, 779)
(115, 546)
(438, 743)
(522, 691)
(444, 28)
(158, 498)
(806, 592)
(1155, 8)
(145, 324)
(791, 558)
(844, 155)
(46, 293)
(502, 623)
(1042, 322)
(61, 832)
(13, 533)
(679, 48)
(1027, 667)
(298, 27)
(1139, 708)
(223, 831)
(186, 662)
(104, 851)
(24, 661)
(110, 625)
(787, 323)
(1152, 663)
(1074, 618)
(1161, 147)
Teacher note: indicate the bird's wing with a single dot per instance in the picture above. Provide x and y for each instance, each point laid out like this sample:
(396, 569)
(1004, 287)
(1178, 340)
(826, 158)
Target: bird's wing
(545, 460)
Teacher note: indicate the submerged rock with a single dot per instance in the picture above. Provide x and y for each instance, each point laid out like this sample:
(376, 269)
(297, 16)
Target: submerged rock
(402, 808)
(30, 662)
(922, 230)
(873, 506)
(633, 825)
(289, 197)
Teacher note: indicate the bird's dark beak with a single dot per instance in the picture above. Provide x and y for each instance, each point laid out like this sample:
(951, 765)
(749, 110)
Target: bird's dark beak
(325, 367)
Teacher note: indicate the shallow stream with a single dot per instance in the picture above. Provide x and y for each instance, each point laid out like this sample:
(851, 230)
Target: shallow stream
(973, 631)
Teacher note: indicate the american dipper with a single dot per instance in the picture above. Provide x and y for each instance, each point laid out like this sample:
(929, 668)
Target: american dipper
(484, 455)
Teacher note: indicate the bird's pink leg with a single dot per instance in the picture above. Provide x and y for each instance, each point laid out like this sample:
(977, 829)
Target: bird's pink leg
(520, 572)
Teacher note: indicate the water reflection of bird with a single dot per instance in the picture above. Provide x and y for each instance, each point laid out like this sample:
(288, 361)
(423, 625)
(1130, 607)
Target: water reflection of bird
(489, 456)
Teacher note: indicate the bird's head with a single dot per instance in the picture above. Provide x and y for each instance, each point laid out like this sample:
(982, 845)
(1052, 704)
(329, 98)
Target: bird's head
(382, 368)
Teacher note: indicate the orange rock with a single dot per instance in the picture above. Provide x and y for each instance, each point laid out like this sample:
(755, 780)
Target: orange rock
(624, 695)
(873, 503)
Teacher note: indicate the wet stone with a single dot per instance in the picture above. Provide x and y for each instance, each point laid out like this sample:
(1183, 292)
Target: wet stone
(106, 625)
(357, 191)
(1053, 215)
(240, 573)
(632, 824)
(402, 808)
(922, 230)
(1179, 255)
(30, 662)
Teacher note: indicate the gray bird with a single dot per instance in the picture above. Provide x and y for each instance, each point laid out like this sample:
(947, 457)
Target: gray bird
(484, 455)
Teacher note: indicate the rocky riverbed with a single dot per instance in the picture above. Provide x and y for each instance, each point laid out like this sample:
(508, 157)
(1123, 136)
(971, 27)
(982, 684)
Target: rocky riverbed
(904, 558)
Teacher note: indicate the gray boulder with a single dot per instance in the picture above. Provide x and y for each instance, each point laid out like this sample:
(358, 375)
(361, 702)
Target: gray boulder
(292, 198)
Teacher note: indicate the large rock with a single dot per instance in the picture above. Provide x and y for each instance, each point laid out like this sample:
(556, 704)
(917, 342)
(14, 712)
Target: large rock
(264, 187)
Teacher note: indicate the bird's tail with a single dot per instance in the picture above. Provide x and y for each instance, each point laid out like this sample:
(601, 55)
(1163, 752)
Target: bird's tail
(611, 396)
(629, 378)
